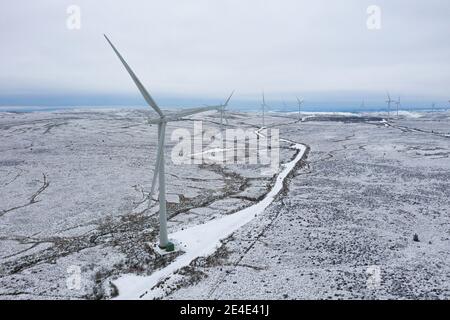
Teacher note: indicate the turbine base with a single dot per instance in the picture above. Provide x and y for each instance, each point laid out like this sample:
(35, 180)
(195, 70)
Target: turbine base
(169, 247)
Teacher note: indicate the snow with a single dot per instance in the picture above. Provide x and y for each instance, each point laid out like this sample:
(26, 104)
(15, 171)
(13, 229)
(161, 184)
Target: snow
(316, 113)
(357, 200)
(365, 191)
(202, 240)
(410, 114)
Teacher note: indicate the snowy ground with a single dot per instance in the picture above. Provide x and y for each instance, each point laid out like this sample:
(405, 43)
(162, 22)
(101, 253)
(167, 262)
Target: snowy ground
(73, 188)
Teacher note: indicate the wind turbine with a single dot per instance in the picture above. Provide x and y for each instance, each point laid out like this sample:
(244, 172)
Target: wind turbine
(222, 110)
(299, 102)
(159, 173)
(263, 105)
(389, 101)
(398, 103)
(433, 105)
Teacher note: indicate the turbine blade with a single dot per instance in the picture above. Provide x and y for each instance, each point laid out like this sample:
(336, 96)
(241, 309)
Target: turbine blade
(138, 83)
(155, 178)
(162, 134)
(229, 98)
(188, 112)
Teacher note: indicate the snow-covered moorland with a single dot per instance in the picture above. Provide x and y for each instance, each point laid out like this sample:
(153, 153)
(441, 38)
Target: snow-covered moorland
(360, 209)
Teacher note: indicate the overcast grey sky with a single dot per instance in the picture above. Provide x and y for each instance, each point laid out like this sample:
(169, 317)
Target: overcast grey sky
(190, 48)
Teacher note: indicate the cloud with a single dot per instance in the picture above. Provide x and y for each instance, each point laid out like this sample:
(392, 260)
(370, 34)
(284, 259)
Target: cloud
(207, 48)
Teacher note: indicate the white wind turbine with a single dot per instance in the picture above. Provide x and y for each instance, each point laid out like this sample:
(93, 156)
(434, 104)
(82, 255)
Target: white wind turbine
(159, 173)
(299, 102)
(398, 103)
(263, 105)
(389, 101)
(433, 106)
(223, 109)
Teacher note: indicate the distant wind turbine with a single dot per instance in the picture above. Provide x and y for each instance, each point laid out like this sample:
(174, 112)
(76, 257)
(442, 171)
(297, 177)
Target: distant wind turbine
(389, 101)
(300, 102)
(433, 105)
(222, 110)
(159, 173)
(263, 106)
(398, 103)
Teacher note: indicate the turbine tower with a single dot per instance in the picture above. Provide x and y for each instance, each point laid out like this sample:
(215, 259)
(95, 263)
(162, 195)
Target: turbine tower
(299, 102)
(159, 173)
(389, 101)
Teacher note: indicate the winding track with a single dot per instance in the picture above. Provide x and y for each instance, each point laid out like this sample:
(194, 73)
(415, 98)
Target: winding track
(205, 239)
